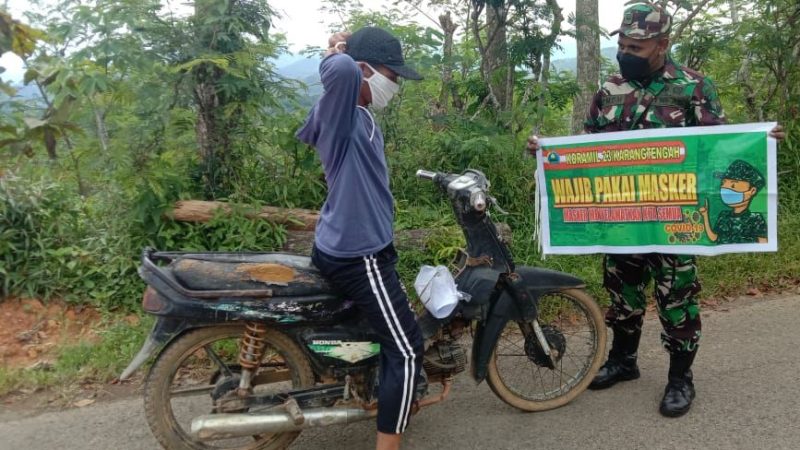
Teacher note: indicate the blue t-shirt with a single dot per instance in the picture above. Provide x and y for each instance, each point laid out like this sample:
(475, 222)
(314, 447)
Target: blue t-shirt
(356, 219)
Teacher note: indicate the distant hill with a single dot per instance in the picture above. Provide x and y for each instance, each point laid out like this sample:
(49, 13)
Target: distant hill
(571, 64)
(300, 68)
(306, 70)
(29, 92)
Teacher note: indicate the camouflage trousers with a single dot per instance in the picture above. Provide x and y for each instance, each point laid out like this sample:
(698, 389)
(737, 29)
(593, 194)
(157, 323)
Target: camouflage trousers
(676, 285)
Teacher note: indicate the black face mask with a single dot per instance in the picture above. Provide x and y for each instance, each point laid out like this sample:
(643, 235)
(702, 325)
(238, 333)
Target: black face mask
(632, 67)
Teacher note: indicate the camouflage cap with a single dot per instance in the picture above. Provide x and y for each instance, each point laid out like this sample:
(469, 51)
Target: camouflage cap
(742, 171)
(644, 20)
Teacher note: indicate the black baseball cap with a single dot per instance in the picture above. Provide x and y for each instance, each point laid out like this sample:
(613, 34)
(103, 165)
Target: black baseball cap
(377, 46)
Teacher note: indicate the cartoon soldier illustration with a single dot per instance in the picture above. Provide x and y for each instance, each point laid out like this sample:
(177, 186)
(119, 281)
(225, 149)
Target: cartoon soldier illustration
(738, 225)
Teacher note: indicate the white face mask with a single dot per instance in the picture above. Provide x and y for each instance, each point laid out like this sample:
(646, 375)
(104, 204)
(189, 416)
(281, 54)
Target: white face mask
(382, 88)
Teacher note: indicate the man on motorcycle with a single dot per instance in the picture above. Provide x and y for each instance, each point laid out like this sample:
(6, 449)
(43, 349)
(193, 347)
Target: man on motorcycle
(652, 91)
(353, 240)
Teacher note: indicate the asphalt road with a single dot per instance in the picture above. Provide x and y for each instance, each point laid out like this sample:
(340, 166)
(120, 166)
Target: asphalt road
(748, 385)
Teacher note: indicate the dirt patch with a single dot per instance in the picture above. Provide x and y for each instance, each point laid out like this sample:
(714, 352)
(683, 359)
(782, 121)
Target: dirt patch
(31, 336)
(33, 331)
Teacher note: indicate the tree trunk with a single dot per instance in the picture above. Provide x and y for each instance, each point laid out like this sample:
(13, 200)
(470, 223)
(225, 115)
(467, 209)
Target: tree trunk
(205, 97)
(301, 242)
(102, 131)
(588, 38)
(203, 211)
(448, 88)
(496, 58)
(555, 32)
(543, 82)
(211, 128)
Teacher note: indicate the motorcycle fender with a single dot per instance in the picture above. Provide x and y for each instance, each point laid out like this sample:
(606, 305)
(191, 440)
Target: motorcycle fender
(164, 331)
(487, 333)
(539, 281)
(535, 282)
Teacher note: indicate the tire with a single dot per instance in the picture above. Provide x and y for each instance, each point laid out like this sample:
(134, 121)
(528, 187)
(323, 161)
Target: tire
(186, 349)
(502, 375)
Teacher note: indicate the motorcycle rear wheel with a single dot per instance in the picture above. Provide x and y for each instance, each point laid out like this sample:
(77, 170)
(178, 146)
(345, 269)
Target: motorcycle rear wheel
(184, 376)
(576, 332)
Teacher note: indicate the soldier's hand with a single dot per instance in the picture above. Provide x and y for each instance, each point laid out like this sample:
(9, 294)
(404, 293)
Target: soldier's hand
(778, 133)
(533, 144)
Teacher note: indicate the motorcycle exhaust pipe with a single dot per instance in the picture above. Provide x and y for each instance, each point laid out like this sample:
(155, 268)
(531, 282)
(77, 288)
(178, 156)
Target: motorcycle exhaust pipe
(225, 426)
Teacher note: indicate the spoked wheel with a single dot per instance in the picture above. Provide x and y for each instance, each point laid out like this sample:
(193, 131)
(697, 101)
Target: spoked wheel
(202, 366)
(524, 376)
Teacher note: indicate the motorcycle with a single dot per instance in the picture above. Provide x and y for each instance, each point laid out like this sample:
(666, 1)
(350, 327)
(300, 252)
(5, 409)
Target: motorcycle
(252, 348)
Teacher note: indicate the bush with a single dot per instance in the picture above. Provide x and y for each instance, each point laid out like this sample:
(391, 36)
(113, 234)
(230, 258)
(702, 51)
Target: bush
(39, 226)
(54, 243)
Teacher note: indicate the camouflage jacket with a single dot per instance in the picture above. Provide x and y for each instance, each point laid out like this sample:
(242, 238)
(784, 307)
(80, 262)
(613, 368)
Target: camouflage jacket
(678, 97)
(742, 228)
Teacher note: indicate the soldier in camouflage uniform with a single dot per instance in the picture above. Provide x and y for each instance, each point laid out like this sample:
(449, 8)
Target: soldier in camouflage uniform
(652, 92)
(738, 225)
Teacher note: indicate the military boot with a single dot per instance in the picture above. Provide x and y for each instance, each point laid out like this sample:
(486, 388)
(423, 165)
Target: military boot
(621, 363)
(679, 393)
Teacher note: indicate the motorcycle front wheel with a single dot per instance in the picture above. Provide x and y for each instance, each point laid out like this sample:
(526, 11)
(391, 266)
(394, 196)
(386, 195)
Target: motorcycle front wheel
(202, 365)
(525, 377)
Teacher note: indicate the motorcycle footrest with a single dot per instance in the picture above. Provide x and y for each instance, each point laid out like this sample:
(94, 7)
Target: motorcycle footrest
(293, 409)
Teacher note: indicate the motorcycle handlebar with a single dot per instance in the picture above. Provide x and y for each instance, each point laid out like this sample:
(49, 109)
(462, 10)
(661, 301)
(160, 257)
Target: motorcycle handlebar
(426, 174)
(478, 199)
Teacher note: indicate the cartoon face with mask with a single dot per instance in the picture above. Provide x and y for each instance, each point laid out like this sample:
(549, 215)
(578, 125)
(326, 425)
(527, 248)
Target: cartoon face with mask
(736, 192)
(740, 184)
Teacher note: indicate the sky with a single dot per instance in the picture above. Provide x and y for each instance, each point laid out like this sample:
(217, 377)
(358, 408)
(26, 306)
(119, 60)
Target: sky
(305, 25)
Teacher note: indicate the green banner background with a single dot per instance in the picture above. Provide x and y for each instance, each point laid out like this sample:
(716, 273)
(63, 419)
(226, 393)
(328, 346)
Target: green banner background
(707, 155)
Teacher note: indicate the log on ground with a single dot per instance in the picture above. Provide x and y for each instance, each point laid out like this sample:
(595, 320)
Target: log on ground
(203, 211)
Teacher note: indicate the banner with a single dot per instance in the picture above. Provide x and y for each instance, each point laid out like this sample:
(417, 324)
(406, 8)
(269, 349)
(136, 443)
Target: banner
(694, 191)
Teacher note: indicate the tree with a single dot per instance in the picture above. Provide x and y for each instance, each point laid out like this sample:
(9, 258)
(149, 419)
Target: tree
(532, 48)
(587, 35)
(490, 37)
(228, 79)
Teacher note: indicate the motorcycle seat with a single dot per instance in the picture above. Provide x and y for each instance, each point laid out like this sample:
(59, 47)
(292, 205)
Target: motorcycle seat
(285, 275)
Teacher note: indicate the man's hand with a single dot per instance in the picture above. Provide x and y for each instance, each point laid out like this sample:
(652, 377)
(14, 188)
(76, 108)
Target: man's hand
(533, 144)
(337, 43)
(778, 133)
